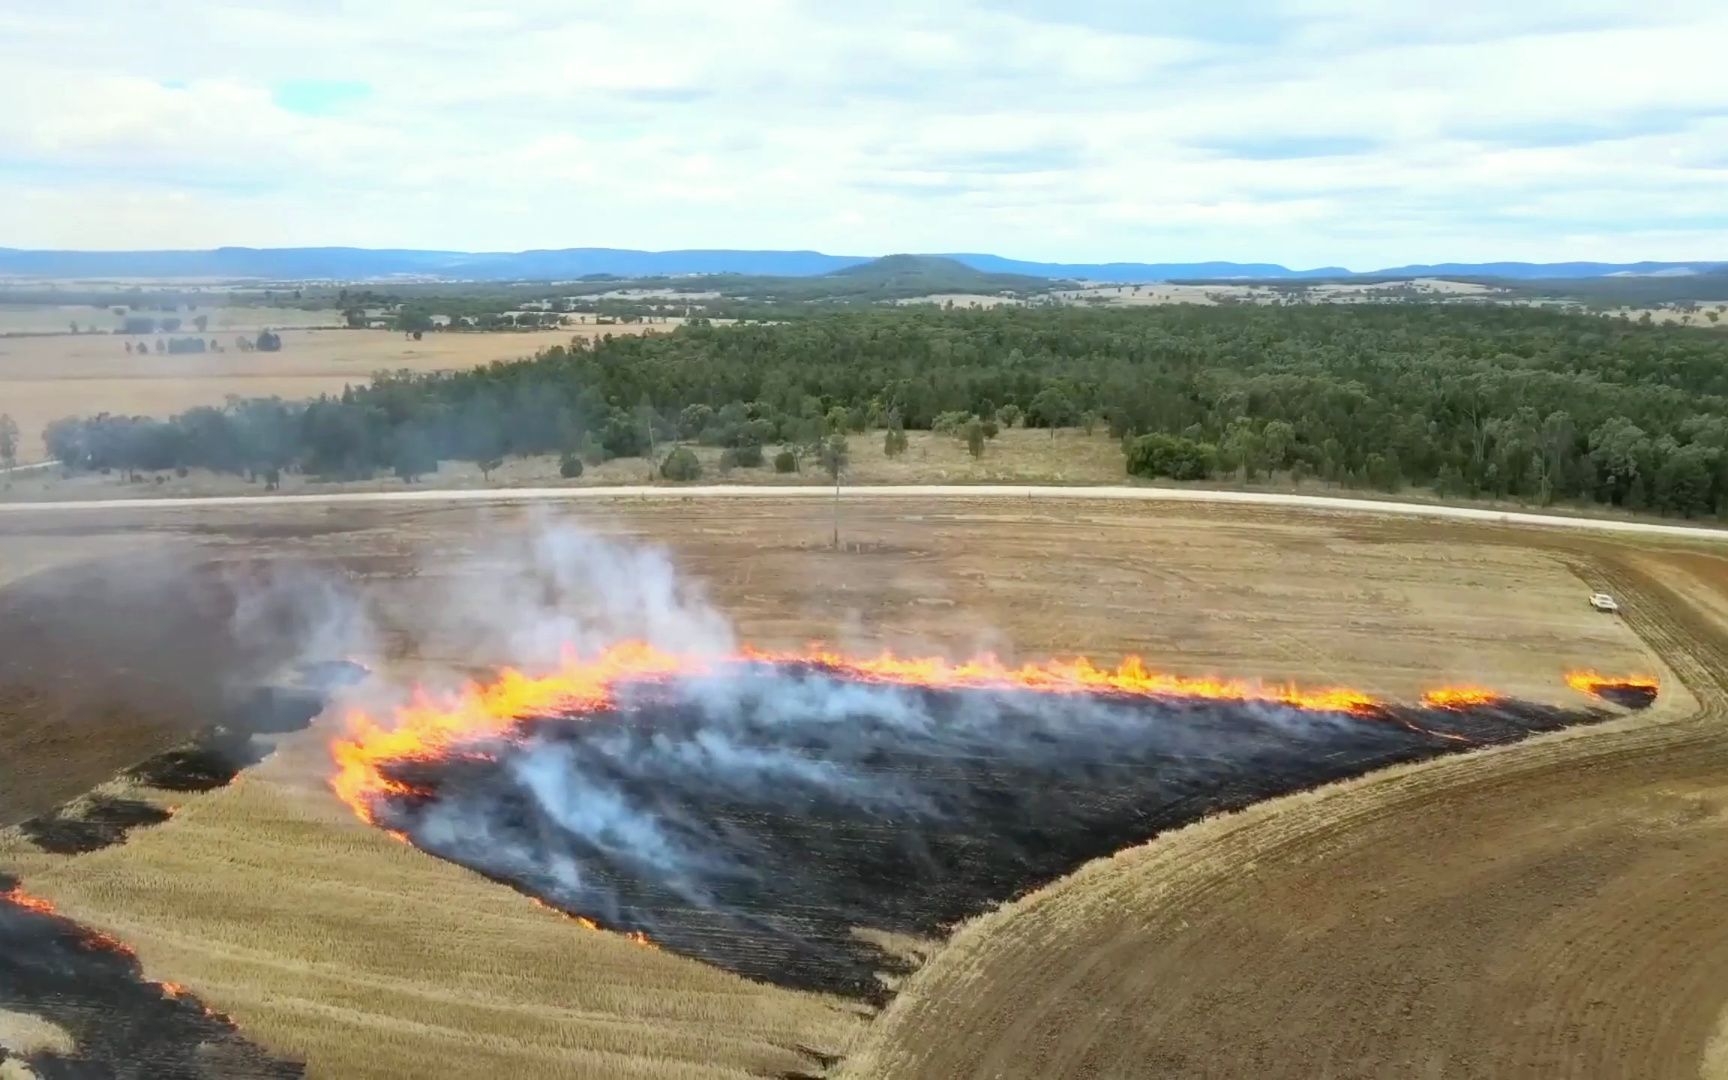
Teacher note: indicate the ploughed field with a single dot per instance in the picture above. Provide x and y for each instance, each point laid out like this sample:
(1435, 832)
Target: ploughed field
(332, 945)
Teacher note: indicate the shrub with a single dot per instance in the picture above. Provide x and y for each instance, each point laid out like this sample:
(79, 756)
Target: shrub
(950, 423)
(681, 465)
(622, 436)
(1173, 456)
(570, 467)
(748, 456)
(785, 461)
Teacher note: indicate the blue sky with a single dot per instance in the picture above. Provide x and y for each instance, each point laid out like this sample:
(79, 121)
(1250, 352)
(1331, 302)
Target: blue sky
(1307, 132)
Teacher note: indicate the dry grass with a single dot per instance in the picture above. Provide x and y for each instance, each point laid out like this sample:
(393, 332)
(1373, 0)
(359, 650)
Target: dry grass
(1715, 1064)
(45, 378)
(326, 939)
(1018, 456)
(24, 1034)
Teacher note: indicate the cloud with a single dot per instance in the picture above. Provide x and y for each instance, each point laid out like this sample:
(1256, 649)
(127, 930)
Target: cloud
(1302, 131)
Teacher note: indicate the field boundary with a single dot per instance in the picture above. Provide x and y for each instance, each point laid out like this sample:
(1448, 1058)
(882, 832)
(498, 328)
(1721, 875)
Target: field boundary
(902, 491)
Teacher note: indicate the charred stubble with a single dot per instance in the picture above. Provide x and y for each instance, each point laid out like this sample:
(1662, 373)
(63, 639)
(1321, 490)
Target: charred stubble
(756, 818)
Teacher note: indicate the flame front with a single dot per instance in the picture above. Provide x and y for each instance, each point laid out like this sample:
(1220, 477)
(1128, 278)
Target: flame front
(98, 940)
(1460, 697)
(16, 895)
(93, 939)
(429, 728)
(1594, 682)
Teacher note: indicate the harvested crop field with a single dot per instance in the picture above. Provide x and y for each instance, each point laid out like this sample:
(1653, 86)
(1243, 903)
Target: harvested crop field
(47, 377)
(1551, 910)
(332, 944)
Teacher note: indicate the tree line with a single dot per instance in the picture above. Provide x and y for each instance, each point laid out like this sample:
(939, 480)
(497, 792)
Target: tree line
(1474, 401)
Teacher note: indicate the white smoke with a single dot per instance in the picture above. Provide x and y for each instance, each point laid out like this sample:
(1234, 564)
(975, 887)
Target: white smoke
(529, 598)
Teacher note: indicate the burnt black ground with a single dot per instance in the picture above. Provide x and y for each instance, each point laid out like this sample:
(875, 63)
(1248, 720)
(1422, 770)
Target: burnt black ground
(122, 1025)
(1628, 696)
(753, 821)
(96, 822)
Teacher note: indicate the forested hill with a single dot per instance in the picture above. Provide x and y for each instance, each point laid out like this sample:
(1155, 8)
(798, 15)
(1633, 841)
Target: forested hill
(1474, 400)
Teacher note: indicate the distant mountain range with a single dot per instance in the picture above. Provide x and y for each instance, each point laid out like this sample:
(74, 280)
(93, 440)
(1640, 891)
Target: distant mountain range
(360, 264)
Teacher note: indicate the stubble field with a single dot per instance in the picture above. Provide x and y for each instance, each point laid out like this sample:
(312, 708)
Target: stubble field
(1571, 877)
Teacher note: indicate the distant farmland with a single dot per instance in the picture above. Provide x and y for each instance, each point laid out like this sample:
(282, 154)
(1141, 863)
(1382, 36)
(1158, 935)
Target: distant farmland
(45, 378)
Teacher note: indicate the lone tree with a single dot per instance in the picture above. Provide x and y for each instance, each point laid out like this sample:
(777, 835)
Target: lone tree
(8, 441)
(975, 437)
(894, 440)
(831, 455)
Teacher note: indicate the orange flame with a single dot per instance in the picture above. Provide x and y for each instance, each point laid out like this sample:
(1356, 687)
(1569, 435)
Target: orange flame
(634, 936)
(1594, 682)
(96, 939)
(17, 895)
(1460, 697)
(429, 728)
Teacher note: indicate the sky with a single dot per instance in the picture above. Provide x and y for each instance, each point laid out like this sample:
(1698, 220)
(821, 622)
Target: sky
(1306, 132)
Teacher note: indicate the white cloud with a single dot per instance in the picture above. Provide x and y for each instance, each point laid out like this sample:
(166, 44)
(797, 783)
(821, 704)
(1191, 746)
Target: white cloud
(1308, 131)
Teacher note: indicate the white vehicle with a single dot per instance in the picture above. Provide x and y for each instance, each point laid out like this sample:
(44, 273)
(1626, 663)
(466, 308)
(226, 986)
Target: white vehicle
(1603, 602)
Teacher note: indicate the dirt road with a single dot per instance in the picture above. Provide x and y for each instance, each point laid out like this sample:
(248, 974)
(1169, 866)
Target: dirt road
(1551, 910)
(906, 491)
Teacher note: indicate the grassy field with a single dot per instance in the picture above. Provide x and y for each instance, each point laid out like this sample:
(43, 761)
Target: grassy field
(45, 378)
(326, 939)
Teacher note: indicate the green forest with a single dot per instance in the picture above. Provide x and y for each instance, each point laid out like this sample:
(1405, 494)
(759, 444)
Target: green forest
(1472, 401)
